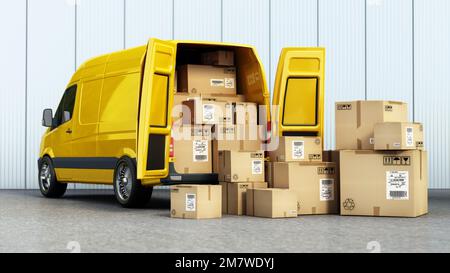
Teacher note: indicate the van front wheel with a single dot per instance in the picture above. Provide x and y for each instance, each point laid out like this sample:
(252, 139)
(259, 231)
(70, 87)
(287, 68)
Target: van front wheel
(48, 184)
(128, 189)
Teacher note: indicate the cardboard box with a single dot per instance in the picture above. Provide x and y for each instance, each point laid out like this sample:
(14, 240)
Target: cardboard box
(220, 57)
(271, 203)
(235, 194)
(206, 79)
(297, 149)
(207, 111)
(245, 113)
(355, 121)
(315, 185)
(398, 136)
(384, 183)
(196, 201)
(241, 166)
(192, 149)
(230, 137)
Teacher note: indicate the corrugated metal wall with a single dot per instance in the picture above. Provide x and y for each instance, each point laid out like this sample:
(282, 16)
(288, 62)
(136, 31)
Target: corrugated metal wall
(376, 49)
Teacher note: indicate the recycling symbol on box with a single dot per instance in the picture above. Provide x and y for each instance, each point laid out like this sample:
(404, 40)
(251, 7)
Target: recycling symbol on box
(349, 204)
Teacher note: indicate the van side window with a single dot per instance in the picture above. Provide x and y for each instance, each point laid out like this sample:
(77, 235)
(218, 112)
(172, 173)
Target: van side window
(66, 105)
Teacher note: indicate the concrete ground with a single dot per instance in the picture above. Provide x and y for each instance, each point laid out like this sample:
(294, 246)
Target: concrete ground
(92, 221)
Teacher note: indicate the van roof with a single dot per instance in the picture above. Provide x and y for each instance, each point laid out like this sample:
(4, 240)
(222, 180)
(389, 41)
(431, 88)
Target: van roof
(127, 61)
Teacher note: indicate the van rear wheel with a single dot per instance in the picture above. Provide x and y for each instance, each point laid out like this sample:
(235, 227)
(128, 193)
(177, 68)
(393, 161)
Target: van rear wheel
(48, 184)
(128, 189)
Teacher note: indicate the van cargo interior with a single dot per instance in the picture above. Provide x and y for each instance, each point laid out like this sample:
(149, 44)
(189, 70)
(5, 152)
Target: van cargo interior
(250, 82)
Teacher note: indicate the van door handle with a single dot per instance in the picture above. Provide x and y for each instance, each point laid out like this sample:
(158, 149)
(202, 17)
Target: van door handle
(69, 131)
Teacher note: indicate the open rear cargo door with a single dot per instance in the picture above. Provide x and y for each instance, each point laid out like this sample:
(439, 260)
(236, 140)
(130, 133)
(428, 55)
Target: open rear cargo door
(298, 99)
(154, 118)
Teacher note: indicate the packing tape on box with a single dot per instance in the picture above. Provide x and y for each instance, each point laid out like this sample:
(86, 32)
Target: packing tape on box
(376, 211)
(358, 114)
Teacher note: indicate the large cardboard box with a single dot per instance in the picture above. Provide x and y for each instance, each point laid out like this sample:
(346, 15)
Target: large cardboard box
(271, 203)
(196, 201)
(241, 166)
(398, 136)
(206, 79)
(219, 57)
(315, 185)
(192, 149)
(305, 148)
(235, 194)
(231, 137)
(384, 183)
(355, 121)
(207, 111)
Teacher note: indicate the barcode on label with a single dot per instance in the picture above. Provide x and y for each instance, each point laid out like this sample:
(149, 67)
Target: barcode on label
(398, 194)
(200, 157)
(190, 202)
(217, 82)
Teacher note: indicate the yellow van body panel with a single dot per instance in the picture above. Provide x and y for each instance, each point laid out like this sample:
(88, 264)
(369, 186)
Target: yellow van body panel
(298, 97)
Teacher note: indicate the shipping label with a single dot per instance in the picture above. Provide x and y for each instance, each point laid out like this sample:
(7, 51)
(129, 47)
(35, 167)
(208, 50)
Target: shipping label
(409, 137)
(298, 149)
(257, 166)
(229, 82)
(397, 185)
(200, 150)
(327, 189)
(190, 202)
(217, 82)
(209, 113)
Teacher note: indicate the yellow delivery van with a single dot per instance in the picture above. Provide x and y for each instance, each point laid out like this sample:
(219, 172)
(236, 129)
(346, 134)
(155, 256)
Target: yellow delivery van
(113, 124)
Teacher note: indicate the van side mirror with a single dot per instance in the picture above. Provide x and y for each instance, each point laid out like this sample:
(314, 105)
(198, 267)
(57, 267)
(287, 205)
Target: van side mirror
(47, 118)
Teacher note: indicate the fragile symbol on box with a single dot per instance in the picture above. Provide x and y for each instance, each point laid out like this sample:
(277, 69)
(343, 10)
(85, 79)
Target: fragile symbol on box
(396, 160)
(325, 170)
(344, 107)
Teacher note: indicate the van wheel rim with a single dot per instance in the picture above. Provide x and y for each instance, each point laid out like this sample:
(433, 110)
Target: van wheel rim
(124, 181)
(45, 176)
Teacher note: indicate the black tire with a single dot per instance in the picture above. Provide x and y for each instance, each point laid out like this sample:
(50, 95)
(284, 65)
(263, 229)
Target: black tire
(48, 184)
(128, 189)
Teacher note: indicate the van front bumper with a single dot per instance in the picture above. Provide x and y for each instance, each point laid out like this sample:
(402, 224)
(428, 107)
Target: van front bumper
(192, 178)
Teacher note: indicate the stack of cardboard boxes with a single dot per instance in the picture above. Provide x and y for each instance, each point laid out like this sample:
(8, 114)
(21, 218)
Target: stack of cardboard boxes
(214, 131)
(383, 166)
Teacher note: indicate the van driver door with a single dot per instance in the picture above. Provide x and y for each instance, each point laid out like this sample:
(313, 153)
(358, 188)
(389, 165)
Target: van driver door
(298, 99)
(154, 119)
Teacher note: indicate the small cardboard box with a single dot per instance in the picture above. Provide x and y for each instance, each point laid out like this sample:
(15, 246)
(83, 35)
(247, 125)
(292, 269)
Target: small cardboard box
(398, 136)
(315, 185)
(235, 194)
(297, 149)
(241, 166)
(207, 111)
(196, 201)
(206, 79)
(384, 183)
(245, 113)
(271, 203)
(231, 137)
(192, 149)
(219, 57)
(355, 121)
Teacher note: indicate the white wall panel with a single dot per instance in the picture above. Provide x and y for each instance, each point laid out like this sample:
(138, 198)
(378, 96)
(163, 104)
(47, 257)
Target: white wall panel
(247, 22)
(389, 51)
(293, 23)
(51, 63)
(197, 20)
(341, 32)
(100, 30)
(12, 94)
(432, 84)
(146, 19)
